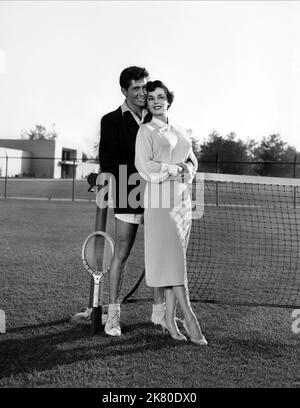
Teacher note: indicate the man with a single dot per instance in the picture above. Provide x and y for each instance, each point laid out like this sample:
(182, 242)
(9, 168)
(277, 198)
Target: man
(117, 148)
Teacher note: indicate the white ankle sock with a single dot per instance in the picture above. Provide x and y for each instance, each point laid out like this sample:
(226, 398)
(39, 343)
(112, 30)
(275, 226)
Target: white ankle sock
(114, 307)
(160, 308)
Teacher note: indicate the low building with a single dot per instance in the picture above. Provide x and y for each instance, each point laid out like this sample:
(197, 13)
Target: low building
(14, 162)
(42, 159)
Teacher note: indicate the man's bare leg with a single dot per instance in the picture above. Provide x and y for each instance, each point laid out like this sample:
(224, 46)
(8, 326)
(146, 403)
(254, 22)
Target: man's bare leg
(125, 236)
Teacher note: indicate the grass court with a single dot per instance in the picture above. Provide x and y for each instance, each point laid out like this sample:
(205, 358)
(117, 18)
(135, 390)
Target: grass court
(43, 283)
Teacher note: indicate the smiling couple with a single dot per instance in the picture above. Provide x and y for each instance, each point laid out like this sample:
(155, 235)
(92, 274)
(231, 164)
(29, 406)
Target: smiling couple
(139, 135)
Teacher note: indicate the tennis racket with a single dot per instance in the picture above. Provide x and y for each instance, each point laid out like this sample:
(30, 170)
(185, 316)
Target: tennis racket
(97, 252)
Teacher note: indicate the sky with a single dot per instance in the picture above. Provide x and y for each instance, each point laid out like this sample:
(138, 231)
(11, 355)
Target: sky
(234, 66)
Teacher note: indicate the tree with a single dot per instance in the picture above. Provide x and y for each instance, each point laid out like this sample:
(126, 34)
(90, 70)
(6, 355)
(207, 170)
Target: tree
(84, 157)
(195, 142)
(276, 156)
(227, 150)
(40, 133)
(96, 150)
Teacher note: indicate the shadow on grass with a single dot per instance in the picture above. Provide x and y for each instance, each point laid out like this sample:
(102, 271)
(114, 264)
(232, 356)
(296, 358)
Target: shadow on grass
(75, 344)
(258, 347)
(37, 326)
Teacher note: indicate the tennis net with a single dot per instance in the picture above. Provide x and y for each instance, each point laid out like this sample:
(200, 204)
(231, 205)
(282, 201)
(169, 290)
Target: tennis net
(245, 247)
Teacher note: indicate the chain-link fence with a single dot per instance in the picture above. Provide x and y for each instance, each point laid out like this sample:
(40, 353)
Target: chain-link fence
(252, 168)
(46, 178)
(56, 178)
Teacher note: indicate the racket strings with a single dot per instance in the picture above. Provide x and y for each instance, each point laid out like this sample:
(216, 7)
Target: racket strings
(98, 254)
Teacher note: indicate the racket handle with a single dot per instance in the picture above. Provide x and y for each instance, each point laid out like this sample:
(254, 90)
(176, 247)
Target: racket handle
(96, 319)
(91, 292)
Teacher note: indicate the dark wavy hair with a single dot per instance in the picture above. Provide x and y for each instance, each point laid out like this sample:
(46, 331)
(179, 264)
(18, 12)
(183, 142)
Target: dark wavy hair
(132, 73)
(150, 87)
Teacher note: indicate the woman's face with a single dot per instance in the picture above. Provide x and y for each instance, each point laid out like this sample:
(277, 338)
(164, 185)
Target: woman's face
(157, 102)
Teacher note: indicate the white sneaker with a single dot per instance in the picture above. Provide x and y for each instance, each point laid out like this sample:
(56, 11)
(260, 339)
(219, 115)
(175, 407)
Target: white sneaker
(112, 326)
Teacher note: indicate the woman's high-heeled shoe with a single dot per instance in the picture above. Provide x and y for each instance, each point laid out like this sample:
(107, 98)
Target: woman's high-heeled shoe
(201, 341)
(176, 335)
(161, 321)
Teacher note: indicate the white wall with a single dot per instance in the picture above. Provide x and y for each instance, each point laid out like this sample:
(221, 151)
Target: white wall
(85, 168)
(18, 163)
(39, 167)
(41, 151)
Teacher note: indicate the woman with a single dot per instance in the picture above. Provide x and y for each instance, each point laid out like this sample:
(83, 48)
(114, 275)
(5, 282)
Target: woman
(164, 158)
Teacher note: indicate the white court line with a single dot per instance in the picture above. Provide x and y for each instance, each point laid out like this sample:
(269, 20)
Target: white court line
(46, 199)
(70, 180)
(243, 179)
(205, 205)
(250, 206)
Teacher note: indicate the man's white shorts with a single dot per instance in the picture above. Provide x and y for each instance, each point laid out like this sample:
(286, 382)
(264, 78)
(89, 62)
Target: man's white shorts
(131, 218)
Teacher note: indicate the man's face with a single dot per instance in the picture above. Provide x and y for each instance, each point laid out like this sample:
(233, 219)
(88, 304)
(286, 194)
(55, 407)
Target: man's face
(136, 92)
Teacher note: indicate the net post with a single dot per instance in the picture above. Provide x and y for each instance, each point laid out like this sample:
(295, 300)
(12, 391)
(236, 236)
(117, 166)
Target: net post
(217, 184)
(294, 175)
(73, 182)
(5, 181)
(217, 163)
